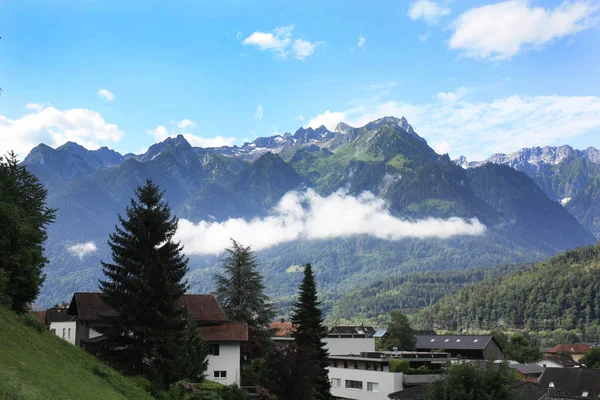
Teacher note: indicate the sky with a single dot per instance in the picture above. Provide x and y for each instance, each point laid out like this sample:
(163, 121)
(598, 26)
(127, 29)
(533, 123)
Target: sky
(472, 77)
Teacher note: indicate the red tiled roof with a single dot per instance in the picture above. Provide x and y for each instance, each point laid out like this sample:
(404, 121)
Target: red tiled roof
(229, 332)
(282, 328)
(200, 307)
(576, 348)
(40, 315)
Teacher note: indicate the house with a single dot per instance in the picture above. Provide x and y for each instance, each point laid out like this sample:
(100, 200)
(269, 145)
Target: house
(60, 323)
(472, 347)
(527, 372)
(350, 339)
(223, 336)
(367, 376)
(557, 362)
(577, 350)
(582, 382)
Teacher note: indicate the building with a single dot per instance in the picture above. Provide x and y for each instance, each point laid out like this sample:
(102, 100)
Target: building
(527, 391)
(223, 337)
(577, 350)
(576, 382)
(557, 362)
(350, 340)
(61, 323)
(528, 372)
(471, 347)
(368, 377)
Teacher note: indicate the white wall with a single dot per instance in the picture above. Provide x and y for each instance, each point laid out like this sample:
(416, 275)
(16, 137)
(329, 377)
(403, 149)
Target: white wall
(549, 364)
(346, 346)
(70, 325)
(389, 382)
(227, 360)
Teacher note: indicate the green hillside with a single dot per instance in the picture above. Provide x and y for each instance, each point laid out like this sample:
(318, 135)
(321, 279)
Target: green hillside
(35, 365)
(562, 292)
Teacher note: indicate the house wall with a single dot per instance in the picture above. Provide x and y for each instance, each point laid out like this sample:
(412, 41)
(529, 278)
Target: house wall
(493, 351)
(84, 332)
(227, 360)
(389, 382)
(70, 325)
(346, 346)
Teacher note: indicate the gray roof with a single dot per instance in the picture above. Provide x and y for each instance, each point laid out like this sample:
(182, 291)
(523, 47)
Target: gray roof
(453, 342)
(527, 369)
(379, 333)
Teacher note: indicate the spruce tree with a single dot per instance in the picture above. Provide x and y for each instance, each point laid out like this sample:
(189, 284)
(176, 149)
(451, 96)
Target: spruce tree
(310, 331)
(143, 285)
(23, 220)
(240, 291)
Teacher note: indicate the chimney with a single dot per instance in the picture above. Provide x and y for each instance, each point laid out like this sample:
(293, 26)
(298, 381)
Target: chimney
(551, 389)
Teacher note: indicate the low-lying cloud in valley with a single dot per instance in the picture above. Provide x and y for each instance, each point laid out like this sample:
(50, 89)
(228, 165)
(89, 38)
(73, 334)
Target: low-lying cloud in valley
(308, 215)
(82, 250)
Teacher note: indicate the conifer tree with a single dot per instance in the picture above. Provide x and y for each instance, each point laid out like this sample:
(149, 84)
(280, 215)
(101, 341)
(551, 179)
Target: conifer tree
(310, 331)
(143, 285)
(23, 220)
(240, 291)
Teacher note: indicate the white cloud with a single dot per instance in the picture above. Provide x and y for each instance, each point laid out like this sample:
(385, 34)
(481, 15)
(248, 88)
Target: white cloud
(473, 128)
(299, 117)
(328, 118)
(453, 96)
(303, 49)
(82, 250)
(55, 127)
(160, 133)
(36, 106)
(258, 114)
(105, 94)
(361, 41)
(428, 11)
(279, 41)
(186, 123)
(500, 31)
(310, 216)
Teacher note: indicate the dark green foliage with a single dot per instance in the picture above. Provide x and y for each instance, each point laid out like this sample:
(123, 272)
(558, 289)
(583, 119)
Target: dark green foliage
(591, 359)
(518, 347)
(561, 292)
(142, 286)
(466, 381)
(585, 205)
(565, 354)
(309, 334)
(23, 218)
(290, 375)
(401, 334)
(240, 291)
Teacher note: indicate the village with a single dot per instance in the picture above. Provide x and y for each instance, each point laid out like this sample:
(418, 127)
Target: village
(356, 370)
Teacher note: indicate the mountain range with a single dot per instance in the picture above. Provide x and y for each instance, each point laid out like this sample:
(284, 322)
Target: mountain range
(523, 221)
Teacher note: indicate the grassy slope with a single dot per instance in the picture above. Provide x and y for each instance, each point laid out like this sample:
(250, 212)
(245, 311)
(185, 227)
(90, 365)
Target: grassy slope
(39, 365)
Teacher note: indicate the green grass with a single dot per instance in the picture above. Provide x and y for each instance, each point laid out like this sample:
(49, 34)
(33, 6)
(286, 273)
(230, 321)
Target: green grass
(34, 364)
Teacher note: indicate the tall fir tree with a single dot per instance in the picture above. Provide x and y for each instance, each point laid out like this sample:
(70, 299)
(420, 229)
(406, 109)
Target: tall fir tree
(310, 331)
(24, 217)
(240, 291)
(143, 285)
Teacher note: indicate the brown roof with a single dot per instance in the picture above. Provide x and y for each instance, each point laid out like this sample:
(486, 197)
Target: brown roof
(200, 307)
(229, 332)
(40, 315)
(576, 348)
(284, 328)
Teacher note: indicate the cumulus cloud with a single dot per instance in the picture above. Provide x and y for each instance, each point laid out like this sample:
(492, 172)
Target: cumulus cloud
(161, 133)
(310, 216)
(473, 128)
(82, 250)
(55, 127)
(36, 106)
(500, 31)
(106, 94)
(361, 42)
(428, 11)
(258, 114)
(186, 123)
(280, 42)
(453, 96)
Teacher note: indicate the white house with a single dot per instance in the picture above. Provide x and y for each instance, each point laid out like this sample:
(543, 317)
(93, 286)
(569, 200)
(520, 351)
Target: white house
(557, 362)
(368, 377)
(223, 336)
(61, 323)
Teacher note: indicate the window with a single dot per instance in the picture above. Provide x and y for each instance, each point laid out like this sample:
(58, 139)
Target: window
(64, 333)
(214, 349)
(354, 385)
(372, 387)
(334, 363)
(69, 334)
(220, 374)
(336, 382)
(346, 364)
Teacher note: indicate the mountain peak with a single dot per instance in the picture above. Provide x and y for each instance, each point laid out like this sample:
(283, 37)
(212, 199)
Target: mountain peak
(402, 123)
(343, 127)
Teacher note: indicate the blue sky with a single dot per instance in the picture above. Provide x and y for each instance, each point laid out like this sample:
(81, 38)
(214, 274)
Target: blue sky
(472, 77)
